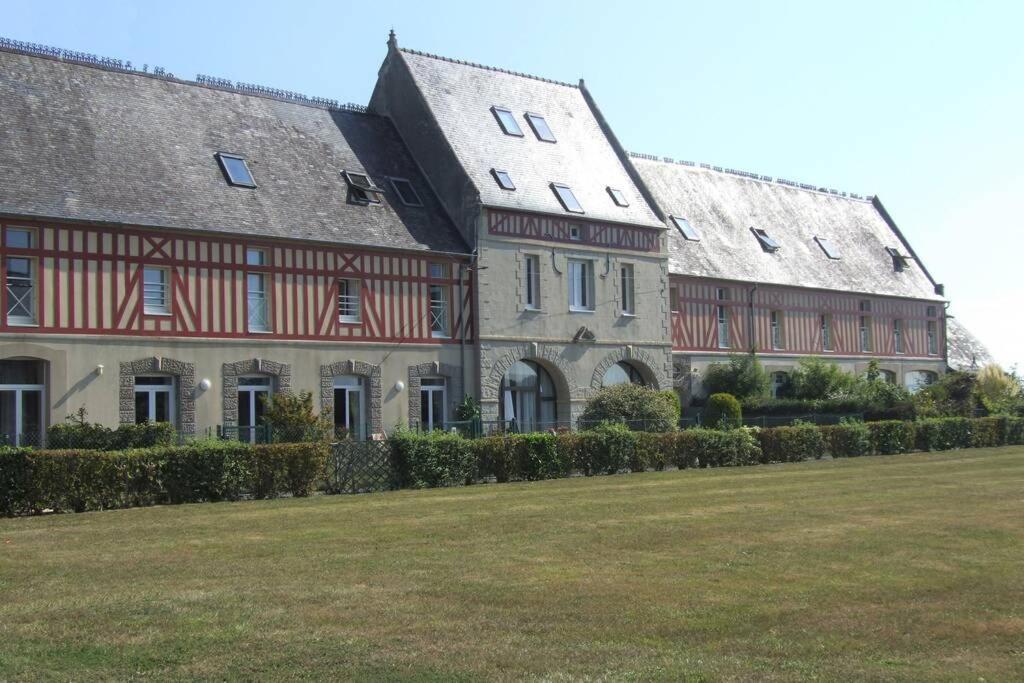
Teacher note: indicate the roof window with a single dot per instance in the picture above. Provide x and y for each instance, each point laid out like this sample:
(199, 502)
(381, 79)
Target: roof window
(618, 197)
(830, 249)
(899, 261)
(361, 188)
(235, 170)
(507, 121)
(540, 127)
(567, 198)
(503, 179)
(406, 192)
(767, 243)
(688, 232)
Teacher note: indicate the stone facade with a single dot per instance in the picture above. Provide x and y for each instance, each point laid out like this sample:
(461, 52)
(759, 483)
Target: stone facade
(230, 372)
(185, 376)
(369, 372)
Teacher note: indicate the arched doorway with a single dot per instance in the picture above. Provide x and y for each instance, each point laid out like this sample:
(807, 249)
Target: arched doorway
(528, 400)
(22, 401)
(622, 372)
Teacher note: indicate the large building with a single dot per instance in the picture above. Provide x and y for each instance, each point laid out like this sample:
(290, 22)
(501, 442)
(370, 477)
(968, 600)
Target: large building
(176, 250)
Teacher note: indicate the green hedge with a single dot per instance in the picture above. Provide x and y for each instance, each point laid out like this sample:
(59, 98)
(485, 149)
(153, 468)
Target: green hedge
(91, 436)
(432, 459)
(891, 437)
(847, 440)
(80, 480)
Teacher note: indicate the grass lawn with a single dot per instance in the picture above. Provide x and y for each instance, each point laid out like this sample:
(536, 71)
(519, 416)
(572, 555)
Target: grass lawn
(883, 568)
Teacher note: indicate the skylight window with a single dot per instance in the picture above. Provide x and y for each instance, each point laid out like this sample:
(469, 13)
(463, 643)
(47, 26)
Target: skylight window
(685, 229)
(406, 192)
(504, 179)
(830, 249)
(235, 170)
(361, 188)
(899, 261)
(618, 197)
(507, 121)
(767, 243)
(567, 198)
(540, 127)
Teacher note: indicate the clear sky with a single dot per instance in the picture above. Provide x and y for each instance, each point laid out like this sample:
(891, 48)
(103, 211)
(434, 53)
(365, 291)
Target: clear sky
(921, 103)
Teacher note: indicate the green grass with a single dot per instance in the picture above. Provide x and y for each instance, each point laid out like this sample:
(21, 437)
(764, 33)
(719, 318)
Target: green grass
(884, 568)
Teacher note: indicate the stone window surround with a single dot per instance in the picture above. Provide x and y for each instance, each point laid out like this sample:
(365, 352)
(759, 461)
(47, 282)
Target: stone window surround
(185, 373)
(358, 368)
(230, 372)
(639, 359)
(453, 389)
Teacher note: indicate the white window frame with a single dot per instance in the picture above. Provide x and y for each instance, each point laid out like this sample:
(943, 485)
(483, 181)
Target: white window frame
(864, 327)
(349, 302)
(627, 281)
(19, 427)
(162, 289)
(827, 343)
(581, 286)
(266, 388)
(425, 399)
(26, 299)
(171, 389)
(933, 337)
(775, 317)
(352, 384)
(531, 278)
(722, 315)
(897, 336)
(257, 310)
(439, 308)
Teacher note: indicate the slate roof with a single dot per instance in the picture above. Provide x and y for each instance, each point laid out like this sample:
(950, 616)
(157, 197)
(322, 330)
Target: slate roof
(724, 206)
(964, 351)
(87, 143)
(460, 96)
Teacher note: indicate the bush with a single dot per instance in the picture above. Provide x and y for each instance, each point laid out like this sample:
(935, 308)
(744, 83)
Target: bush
(715, 448)
(816, 378)
(997, 391)
(606, 449)
(847, 439)
(81, 435)
(652, 451)
(890, 437)
(431, 459)
(943, 433)
(1014, 431)
(292, 419)
(987, 432)
(638, 407)
(80, 480)
(741, 376)
(791, 444)
(953, 395)
(527, 457)
(722, 412)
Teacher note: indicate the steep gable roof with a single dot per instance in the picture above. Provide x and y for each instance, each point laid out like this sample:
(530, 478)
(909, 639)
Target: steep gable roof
(82, 142)
(461, 96)
(724, 207)
(964, 351)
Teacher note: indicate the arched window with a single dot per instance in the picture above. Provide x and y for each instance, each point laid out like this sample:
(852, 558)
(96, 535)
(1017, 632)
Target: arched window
(887, 376)
(528, 397)
(622, 373)
(919, 379)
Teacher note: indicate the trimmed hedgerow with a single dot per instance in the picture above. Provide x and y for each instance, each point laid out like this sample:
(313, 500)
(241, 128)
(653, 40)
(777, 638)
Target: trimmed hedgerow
(1015, 431)
(943, 433)
(722, 411)
(80, 480)
(989, 431)
(716, 448)
(890, 437)
(791, 444)
(847, 439)
(521, 457)
(432, 459)
(81, 435)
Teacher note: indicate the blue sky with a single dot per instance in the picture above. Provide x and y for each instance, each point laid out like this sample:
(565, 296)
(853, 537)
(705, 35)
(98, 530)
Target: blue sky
(919, 103)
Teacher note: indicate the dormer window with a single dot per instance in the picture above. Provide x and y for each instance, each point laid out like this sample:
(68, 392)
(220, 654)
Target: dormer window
(567, 198)
(507, 121)
(688, 232)
(540, 127)
(830, 249)
(406, 192)
(618, 197)
(767, 243)
(235, 170)
(503, 179)
(361, 188)
(899, 261)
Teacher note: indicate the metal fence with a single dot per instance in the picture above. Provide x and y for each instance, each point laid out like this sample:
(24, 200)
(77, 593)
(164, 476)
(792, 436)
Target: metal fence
(360, 467)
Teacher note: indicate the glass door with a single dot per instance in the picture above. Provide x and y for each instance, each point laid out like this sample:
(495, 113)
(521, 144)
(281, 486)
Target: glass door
(21, 403)
(432, 404)
(349, 413)
(252, 395)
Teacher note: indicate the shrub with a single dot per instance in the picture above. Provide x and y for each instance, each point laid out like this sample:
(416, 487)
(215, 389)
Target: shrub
(997, 391)
(943, 433)
(80, 435)
(1014, 431)
(292, 419)
(431, 459)
(722, 411)
(520, 457)
(890, 437)
(741, 376)
(652, 451)
(791, 444)
(816, 378)
(847, 439)
(989, 431)
(606, 449)
(715, 448)
(953, 395)
(638, 407)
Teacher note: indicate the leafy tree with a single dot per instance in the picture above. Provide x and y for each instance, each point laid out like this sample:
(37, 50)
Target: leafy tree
(953, 395)
(816, 378)
(291, 418)
(997, 391)
(741, 376)
(722, 411)
(639, 407)
(468, 410)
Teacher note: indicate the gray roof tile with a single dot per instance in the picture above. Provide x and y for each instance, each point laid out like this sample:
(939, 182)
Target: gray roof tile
(87, 143)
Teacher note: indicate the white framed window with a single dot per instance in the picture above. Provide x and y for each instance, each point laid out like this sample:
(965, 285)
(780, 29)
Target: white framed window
(581, 285)
(866, 343)
(531, 266)
(626, 281)
(897, 335)
(826, 332)
(776, 323)
(349, 301)
(433, 400)
(933, 338)
(156, 298)
(349, 407)
(440, 313)
(723, 327)
(256, 296)
(154, 399)
(253, 393)
(22, 403)
(21, 290)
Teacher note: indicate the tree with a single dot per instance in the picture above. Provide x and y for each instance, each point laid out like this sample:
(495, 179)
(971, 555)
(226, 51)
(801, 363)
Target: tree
(291, 418)
(816, 378)
(998, 391)
(741, 376)
(639, 407)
